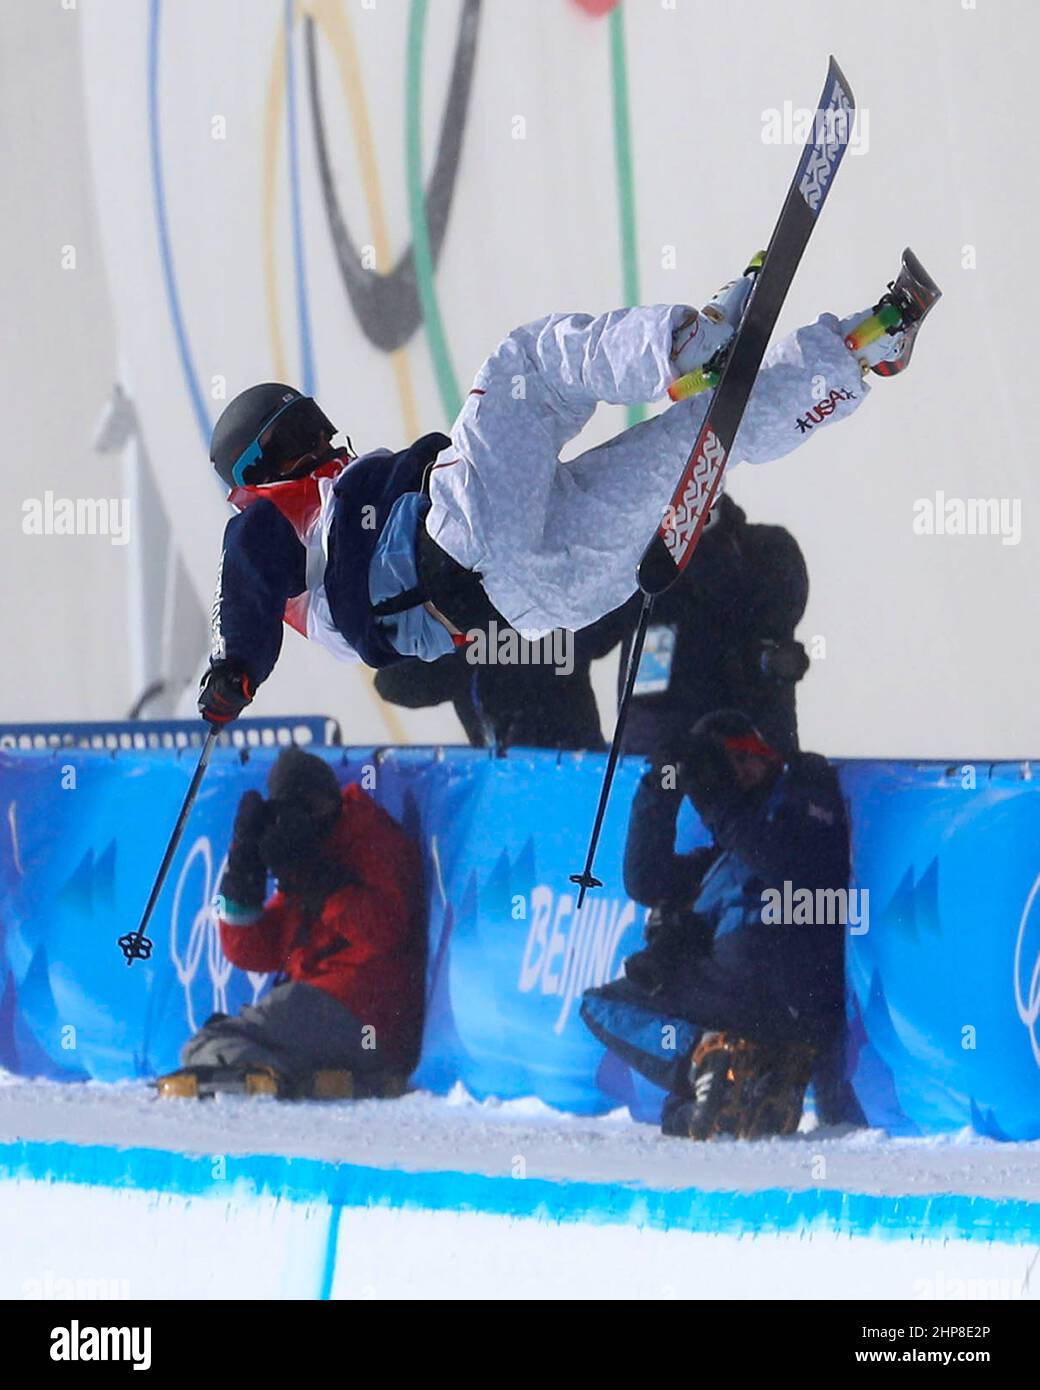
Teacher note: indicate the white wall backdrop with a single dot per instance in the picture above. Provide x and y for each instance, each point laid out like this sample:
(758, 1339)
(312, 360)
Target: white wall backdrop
(63, 597)
(221, 268)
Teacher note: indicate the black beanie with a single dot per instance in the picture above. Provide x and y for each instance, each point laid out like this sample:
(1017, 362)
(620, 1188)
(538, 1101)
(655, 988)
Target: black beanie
(297, 774)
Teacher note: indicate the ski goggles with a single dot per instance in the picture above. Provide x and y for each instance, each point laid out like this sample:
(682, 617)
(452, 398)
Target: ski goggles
(291, 432)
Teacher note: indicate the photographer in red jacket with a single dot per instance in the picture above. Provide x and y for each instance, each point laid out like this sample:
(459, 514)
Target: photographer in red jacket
(344, 929)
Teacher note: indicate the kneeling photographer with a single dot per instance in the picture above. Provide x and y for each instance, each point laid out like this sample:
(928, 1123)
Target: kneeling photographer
(725, 1008)
(344, 930)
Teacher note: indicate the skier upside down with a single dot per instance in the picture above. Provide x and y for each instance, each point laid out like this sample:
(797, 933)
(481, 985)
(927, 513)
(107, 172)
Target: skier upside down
(393, 555)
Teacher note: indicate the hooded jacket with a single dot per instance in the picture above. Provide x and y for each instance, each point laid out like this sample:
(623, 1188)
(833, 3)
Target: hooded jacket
(365, 944)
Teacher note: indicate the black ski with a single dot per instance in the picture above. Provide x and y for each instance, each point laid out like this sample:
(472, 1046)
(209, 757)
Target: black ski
(674, 542)
(669, 552)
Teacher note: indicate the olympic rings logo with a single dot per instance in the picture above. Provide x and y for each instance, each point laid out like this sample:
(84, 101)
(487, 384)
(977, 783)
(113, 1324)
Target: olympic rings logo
(203, 937)
(1029, 1006)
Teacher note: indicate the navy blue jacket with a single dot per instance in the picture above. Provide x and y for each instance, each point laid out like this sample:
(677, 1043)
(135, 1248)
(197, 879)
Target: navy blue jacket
(796, 833)
(263, 575)
(365, 493)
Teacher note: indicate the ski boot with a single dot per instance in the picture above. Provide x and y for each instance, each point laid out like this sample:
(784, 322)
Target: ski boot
(701, 343)
(203, 1083)
(728, 304)
(883, 337)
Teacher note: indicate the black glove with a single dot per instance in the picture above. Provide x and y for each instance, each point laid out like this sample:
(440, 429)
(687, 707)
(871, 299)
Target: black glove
(705, 774)
(673, 935)
(245, 879)
(224, 693)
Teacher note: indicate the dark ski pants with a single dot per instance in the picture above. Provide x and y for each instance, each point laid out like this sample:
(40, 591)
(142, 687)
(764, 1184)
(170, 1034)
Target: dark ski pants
(654, 1032)
(296, 1029)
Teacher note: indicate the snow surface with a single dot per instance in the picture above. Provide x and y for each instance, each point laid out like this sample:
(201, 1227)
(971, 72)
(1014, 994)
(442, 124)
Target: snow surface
(171, 1247)
(422, 1132)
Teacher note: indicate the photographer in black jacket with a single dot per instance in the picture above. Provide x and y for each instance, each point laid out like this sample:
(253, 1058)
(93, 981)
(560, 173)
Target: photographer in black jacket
(722, 637)
(727, 1008)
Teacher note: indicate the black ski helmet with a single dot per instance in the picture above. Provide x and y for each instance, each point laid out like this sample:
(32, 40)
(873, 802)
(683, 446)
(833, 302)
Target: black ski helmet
(262, 427)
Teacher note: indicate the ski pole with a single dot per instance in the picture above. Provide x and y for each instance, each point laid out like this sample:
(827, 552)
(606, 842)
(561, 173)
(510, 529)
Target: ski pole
(135, 945)
(585, 879)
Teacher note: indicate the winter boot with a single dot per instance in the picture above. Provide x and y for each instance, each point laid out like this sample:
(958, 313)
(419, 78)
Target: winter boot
(203, 1083)
(708, 1102)
(331, 1084)
(327, 1083)
(774, 1095)
(381, 1085)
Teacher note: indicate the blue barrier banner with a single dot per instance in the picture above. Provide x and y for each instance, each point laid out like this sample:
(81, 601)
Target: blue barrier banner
(943, 969)
(510, 954)
(944, 987)
(85, 833)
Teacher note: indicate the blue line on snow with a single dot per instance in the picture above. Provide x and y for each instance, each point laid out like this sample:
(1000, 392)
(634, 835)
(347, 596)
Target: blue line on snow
(165, 250)
(302, 310)
(770, 1211)
(331, 1249)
